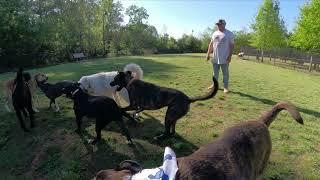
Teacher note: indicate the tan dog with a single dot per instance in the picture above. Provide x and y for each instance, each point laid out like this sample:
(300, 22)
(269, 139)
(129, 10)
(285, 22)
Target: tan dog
(9, 87)
(242, 152)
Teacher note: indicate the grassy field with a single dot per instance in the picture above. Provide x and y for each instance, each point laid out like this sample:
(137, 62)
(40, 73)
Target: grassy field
(53, 151)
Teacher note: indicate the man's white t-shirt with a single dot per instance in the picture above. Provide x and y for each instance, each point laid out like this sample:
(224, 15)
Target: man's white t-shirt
(221, 46)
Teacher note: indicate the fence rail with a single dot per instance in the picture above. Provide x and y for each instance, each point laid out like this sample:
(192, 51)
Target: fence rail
(289, 56)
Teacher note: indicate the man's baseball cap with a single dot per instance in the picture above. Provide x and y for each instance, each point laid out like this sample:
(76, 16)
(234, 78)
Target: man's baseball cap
(220, 21)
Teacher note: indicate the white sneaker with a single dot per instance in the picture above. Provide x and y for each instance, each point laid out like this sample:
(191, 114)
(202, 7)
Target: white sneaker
(225, 90)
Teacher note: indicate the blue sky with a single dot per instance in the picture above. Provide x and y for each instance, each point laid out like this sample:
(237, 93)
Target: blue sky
(177, 17)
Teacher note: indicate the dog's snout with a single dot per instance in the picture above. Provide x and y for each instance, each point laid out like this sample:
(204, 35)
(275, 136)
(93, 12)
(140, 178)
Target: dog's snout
(112, 83)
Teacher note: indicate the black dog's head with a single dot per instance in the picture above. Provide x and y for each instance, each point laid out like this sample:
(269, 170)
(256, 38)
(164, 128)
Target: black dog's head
(71, 89)
(121, 79)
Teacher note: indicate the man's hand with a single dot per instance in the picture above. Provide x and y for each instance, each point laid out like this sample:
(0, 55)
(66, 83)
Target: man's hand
(229, 59)
(207, 57)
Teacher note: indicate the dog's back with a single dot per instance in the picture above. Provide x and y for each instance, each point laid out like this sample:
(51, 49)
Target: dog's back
(150, 96)
(242, 152)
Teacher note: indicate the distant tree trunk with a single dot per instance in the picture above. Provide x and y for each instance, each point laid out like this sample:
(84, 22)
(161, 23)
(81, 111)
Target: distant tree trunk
(261, 50)
(270, 56)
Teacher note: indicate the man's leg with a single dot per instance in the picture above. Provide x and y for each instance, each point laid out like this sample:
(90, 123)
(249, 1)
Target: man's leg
(225, 72)
(216, 69)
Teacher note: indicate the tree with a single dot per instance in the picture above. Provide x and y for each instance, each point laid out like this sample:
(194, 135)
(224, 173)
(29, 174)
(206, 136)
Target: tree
(241, 39)
(206, 38)
(112, 18)
(136, 14)
(269, 28)
(189, 44)
(306, 34)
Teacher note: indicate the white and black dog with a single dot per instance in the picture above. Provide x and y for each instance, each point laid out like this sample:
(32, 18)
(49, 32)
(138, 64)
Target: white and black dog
(52, 91)
(99, 84)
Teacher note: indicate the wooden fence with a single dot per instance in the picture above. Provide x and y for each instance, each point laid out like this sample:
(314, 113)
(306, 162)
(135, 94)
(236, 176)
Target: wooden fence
(286, 56)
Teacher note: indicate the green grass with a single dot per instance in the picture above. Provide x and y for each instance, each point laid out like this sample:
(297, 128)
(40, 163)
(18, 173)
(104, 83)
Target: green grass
(52, 150)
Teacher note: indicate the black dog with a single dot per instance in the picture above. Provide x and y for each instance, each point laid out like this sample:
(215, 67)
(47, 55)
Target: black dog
(102, 108)
(21, 99)
(52, 91)
(147, 96)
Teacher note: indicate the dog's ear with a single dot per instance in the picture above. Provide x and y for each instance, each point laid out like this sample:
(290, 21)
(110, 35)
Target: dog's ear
(77, 84)
(130, 165)
(129, 72)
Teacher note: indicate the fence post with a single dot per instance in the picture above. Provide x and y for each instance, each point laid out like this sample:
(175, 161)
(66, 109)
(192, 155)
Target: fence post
(310, 66)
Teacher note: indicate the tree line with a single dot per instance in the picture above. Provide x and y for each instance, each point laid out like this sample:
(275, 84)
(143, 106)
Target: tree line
(40, 32)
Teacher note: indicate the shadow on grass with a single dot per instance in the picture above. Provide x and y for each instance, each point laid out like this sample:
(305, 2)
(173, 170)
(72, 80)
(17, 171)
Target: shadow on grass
(271, 102)
(111, 151)
(74, 71)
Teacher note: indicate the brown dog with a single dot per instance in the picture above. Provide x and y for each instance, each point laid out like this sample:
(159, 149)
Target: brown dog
(242, 152)
(9, 87)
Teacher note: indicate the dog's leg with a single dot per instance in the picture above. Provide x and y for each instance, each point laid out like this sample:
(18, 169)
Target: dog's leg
(79, 122)
(7, 107)
(174, 112)
(51, 101)
(34, 106)
(57, 106)
(24, 113)
(128, 116)
(173, 128)
(31, 114)
(136, 114)
(98, 128)
(125, 131)
(8, 101)
(19, 115)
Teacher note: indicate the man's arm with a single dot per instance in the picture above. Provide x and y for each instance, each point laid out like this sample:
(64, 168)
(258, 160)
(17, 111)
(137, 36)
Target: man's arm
(210, 48)
(231, 46)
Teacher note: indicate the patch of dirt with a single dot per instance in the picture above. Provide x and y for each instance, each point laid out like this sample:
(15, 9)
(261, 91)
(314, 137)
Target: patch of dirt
(60, 139)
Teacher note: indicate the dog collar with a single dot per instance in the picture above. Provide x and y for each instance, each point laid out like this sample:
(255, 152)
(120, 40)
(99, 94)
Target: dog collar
(74, 92)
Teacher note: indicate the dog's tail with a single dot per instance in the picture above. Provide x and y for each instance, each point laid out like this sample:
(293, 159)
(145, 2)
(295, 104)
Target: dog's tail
(136, 70)
(269, 116)
(209, 95)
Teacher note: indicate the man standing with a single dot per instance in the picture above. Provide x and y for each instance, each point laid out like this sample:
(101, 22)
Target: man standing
(221, 46)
